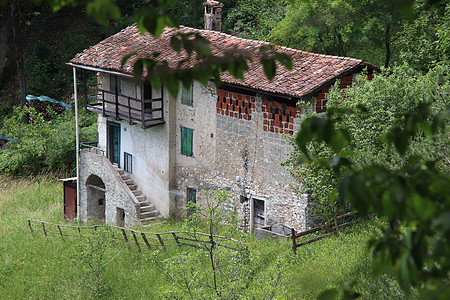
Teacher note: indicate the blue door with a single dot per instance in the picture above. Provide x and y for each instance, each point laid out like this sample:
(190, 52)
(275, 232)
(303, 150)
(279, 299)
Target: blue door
(114, 143)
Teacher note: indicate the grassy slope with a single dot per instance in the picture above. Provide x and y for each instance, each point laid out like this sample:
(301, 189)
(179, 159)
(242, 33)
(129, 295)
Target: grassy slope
(32, 266)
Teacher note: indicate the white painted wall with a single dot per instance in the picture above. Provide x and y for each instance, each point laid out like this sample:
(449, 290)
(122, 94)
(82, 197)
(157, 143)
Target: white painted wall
(149, 149)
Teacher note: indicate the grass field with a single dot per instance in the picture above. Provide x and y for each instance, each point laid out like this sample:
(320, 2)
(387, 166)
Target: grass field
(35, 267)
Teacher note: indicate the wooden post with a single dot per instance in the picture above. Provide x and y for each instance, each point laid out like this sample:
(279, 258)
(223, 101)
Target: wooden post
(160, 240)
(145, 240)
(294, 244)
(124, 235)
(29, 225)
(162, 102)
(103, 103)
(143, 109)
(176, 238)
(43, 227)
(135, 240)
(129, 111)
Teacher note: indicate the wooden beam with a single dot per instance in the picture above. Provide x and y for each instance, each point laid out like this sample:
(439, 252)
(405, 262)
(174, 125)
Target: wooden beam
(96, 187)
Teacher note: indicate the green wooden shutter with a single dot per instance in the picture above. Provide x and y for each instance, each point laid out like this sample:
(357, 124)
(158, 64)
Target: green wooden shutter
(187, 95)
(186, 141)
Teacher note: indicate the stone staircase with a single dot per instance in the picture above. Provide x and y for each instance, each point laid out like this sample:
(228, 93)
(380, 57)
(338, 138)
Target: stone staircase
(147, 212)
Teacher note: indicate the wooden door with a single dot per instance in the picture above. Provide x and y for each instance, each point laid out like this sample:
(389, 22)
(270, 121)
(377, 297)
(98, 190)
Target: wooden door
(114, 143)
(70, 200)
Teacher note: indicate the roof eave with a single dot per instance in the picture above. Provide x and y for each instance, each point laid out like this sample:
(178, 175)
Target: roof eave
(95, 69)
(333, 80)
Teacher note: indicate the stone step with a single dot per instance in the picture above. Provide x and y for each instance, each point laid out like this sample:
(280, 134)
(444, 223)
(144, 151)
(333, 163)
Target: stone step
(148, 214)
(137, 193)
(128, 181)
(142, 199)
(149, 219)
(145, 207)
(132, 187)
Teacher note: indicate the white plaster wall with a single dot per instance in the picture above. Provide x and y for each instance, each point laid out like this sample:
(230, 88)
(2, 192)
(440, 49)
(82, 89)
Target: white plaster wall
(149, 149)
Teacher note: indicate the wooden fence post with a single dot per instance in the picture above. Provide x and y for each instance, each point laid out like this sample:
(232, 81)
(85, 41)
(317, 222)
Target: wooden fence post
(135, 239)
(176, 238)
(29, 225)
(125, 237)
(43, 227)
(145, 240)
(60, 232)
(160, 240)
(294, 245)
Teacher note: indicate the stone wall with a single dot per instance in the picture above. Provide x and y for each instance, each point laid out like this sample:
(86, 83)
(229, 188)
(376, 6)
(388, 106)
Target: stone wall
(117, 194)
(234, 151)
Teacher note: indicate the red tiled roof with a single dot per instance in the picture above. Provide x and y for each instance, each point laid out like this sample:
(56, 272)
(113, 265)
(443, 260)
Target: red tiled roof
(310, 70)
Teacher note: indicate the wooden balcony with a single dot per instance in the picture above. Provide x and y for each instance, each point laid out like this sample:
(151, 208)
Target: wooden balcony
(144, 112)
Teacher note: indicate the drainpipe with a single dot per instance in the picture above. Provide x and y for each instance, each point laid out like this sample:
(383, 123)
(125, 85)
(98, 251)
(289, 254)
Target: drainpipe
(77, 141)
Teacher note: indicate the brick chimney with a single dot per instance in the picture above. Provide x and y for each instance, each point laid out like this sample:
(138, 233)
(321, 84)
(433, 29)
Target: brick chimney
(213, 15)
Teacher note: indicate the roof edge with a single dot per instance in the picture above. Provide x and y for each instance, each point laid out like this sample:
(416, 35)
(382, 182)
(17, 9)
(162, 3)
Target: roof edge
(89, 68)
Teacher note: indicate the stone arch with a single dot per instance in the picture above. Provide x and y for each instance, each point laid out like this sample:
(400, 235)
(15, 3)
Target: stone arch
(96, 200)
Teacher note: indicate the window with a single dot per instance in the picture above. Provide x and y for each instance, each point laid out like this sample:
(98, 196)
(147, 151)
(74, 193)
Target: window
(128, 162)
(186, 141)
(191, 198)
(112, 84)
(187, 95)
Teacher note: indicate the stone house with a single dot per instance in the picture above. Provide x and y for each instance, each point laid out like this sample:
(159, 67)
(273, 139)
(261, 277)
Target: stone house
(156, 153)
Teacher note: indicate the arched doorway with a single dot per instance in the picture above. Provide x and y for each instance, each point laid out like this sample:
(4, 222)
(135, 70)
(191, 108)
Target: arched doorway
(95, 189)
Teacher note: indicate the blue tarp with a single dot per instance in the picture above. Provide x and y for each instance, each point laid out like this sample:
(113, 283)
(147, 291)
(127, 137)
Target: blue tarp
(46, 98)
(5, 138)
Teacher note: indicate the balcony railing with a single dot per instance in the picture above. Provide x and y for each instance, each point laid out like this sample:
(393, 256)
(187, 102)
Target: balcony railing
(145, 112)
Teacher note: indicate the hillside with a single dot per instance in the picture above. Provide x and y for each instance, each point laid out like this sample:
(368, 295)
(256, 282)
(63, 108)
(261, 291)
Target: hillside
(32, 266)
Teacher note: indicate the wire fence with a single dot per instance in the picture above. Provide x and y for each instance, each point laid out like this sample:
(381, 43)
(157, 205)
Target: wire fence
(147, 239)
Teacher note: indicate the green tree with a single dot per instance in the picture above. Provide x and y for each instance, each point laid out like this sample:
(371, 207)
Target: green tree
(405, 179)
(425, 41)
(254, 19)
(213, 271)
(362, 29)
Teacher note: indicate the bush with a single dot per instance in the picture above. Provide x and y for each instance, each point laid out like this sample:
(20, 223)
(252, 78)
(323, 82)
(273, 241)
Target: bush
(40, 146)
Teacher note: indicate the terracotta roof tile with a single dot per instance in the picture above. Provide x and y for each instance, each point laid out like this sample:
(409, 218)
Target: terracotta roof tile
(310, 70)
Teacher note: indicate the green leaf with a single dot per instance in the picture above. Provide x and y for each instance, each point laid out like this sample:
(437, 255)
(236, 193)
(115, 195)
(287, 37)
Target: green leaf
(285, 60)
(138, 69)
(269, 67)
(404, 274)
(175, 43)
(173, 85)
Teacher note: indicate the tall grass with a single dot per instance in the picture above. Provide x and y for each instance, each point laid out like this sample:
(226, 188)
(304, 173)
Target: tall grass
(35, 267)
